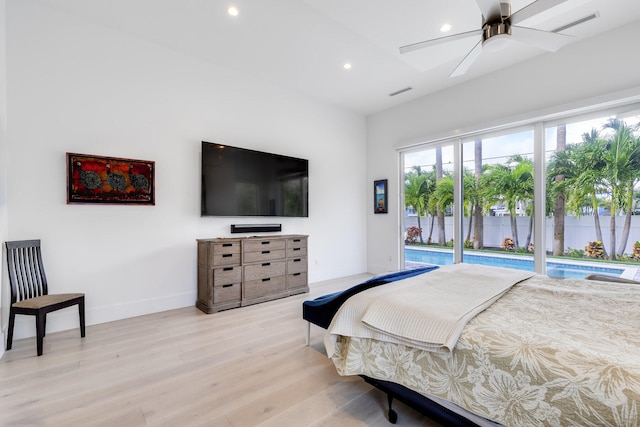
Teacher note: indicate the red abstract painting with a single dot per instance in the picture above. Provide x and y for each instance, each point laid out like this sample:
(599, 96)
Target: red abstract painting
(112, 180)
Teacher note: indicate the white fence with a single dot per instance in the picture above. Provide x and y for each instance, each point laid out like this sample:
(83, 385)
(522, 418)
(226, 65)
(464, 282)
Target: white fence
(578, 232)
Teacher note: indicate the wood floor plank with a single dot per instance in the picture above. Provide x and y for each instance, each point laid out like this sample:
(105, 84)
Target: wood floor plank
(237, 368)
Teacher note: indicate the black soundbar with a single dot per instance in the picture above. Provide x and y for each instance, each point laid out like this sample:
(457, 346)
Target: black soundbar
(255, 228)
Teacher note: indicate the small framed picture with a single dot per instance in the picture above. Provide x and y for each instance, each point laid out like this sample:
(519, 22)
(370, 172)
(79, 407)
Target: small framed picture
(380, 196)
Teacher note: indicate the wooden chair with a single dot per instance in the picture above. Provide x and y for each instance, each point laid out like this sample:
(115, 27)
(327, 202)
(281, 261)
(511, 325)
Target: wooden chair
(29, 292)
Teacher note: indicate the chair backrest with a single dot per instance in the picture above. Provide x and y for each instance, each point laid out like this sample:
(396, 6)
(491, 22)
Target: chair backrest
(26, 272)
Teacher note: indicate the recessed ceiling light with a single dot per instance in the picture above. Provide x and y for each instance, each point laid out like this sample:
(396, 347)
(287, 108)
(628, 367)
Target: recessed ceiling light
(232, 10)
(347, 65)
(445, 28)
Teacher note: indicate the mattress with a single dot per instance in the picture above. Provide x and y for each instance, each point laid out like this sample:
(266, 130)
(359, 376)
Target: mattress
(549, 352)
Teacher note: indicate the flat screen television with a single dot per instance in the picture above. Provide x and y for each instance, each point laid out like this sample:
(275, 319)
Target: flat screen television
(241, 182)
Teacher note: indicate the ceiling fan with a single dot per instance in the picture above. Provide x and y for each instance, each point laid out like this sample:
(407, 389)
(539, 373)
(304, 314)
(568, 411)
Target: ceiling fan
(499, 27)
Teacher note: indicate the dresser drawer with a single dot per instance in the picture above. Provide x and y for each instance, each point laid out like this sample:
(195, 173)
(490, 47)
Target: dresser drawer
(214, 288)
(264, 245)
(219, 253)
(264, 270)
(263, 287)
(264, 255)
(296, 280)
(227, 293)
(297, 265)
(296, 247)
(225, 275)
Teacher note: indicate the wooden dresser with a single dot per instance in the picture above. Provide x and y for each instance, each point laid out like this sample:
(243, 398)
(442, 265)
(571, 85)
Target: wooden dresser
(234, 272)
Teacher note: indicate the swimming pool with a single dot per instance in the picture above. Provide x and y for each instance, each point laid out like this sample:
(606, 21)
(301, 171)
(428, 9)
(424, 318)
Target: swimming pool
(554, 269)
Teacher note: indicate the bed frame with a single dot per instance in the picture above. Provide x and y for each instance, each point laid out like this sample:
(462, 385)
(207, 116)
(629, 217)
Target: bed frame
(321, 310)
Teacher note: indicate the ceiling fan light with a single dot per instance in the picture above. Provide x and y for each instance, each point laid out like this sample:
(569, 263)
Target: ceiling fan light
(496, 43)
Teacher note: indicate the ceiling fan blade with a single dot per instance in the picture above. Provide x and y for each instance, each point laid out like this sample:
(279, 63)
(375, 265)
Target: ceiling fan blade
(435, 42)
(464, 65)
(533, 9)
(489, 8)
(543, 39)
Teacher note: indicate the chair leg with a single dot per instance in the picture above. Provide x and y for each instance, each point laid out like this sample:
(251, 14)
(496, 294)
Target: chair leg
(81, 315)
(308, 333)
(12, 321)
(41, 321)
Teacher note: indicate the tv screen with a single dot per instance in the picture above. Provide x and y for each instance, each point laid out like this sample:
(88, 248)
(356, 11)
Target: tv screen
(241, 182)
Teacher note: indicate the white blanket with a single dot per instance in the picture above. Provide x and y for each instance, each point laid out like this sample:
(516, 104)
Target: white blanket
(427, 311)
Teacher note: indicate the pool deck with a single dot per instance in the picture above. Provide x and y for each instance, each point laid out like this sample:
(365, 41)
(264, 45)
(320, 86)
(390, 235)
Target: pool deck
(630, 271)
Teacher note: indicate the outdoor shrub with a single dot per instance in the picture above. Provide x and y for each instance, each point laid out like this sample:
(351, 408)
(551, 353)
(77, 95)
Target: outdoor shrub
(413, 234)
(507, 244)
(468, 244)
(575, 253)
(636, 251)
(450, 243)
(594, 250)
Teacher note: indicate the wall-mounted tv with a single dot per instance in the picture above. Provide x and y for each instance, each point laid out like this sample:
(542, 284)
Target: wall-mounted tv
(241, 182)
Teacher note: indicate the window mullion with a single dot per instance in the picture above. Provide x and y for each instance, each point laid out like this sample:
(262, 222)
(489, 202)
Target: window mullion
(458, 233)
(539, 197)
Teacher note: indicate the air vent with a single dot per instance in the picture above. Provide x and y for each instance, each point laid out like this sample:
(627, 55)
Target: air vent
(400, 91)
(576, 22)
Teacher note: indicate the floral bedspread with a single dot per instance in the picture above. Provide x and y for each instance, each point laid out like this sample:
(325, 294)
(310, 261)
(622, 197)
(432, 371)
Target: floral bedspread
(550, 352)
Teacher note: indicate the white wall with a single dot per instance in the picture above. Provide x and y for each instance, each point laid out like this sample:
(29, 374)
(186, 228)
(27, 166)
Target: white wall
(78, 87)
(590, 69)
(3, 160)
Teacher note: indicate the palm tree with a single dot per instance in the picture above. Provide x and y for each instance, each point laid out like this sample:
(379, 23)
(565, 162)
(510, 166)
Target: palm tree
(558, 209)
(584, 172)
(442, 239)
(511, 183)
(478, 231)
(621, 171)
(418, 187)
(444, 192)
(443, 195)
(470, 193)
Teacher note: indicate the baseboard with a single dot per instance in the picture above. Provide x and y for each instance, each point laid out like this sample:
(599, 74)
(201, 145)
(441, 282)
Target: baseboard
(129, 309)
(67, 318)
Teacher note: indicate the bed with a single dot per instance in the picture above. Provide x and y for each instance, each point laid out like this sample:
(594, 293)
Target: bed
(543, 352)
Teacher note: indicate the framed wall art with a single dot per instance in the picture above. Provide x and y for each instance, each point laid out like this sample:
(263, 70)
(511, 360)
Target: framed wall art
(110, 180)
(380, 196)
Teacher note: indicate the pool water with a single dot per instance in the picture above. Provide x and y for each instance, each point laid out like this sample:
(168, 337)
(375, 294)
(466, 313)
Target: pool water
(554, 269)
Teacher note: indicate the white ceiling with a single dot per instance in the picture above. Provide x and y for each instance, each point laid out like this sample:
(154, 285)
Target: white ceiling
(302, 44)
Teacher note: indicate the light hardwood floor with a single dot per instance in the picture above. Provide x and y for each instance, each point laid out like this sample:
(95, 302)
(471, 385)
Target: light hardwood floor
(243, 367)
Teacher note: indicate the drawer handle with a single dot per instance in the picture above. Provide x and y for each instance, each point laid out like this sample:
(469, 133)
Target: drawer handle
(266, 280)
(227, 255)
(266, 264)
(297, 274)
(296, 240)
(227, 245)
(297, 260)
(296, 249)
(266, 243)
(227, 269)
(266, 252)
(227, 286)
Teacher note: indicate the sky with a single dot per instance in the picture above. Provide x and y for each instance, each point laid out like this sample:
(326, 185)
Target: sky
(499, 149)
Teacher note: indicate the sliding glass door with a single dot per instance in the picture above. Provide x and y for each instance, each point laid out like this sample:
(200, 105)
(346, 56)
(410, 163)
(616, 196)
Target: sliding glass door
(428, 205)
(474, 200)
(498, 188)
